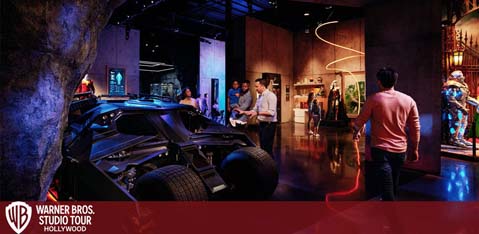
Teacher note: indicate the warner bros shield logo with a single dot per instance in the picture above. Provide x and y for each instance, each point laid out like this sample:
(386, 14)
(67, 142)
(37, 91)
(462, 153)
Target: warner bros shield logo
(18, 216)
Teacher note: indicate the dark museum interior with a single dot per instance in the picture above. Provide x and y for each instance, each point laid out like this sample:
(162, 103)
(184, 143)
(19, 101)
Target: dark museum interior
(134, 99)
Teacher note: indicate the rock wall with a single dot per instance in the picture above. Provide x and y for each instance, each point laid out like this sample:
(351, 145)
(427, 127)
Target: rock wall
(49, 46)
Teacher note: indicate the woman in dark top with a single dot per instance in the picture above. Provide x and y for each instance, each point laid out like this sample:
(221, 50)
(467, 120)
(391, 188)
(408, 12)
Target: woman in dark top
(316, 114)
(310, 111)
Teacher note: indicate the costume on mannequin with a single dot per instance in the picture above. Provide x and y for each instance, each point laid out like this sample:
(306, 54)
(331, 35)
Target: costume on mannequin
(336, 110)
(86, 85)
(455, 94)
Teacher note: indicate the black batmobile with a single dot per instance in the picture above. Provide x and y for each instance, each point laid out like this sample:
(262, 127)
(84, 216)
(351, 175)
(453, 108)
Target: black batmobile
(151, 149)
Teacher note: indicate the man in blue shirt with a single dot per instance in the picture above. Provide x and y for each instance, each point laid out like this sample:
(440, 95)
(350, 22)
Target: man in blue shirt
(233, 97)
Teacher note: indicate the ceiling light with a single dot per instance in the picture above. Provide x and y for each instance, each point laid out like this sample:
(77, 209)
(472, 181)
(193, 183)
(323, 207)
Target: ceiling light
(306, 13)
(273, 3)
(146, 44)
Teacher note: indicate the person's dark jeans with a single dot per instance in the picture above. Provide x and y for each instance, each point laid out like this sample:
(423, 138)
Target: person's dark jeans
(385, 171)
(267, 131)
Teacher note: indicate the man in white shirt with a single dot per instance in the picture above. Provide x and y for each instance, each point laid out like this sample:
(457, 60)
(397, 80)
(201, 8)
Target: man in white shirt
(265, 110)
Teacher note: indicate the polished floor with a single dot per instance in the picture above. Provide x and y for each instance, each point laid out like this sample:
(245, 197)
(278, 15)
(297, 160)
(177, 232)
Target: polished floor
(318, 168)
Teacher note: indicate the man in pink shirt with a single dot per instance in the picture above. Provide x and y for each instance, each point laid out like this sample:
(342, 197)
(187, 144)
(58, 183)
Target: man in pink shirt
(391, 113)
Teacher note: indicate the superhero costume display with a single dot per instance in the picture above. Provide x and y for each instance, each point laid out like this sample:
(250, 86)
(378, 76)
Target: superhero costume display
(336, 110)
(86, 87)
(455, 93)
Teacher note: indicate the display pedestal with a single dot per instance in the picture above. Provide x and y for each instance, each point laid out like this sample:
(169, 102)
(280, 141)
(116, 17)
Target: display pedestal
(458, 152)
(300, 115)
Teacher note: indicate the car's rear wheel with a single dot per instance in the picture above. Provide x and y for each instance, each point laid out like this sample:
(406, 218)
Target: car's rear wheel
(251, 174)
(170, 183)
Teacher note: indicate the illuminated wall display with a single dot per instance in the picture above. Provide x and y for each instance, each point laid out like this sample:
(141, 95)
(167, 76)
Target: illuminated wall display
(116, 81)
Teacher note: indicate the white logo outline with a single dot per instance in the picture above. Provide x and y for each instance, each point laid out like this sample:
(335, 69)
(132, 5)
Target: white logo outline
(15, 212)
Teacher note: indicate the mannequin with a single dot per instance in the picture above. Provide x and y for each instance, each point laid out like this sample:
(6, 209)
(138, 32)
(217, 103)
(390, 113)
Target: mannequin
(334, 101)
(455, 94)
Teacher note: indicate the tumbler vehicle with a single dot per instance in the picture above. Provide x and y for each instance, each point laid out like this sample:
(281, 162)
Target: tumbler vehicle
(151, 149)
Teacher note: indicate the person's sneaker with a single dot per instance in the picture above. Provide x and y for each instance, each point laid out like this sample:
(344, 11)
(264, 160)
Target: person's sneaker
(311, 132)
(458, 143)
(232, 122)
(240, 122)
(467, 143)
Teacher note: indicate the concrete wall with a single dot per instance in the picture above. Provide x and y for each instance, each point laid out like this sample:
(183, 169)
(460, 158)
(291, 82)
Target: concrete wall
(212, 65)
(114, 51)
(269, 49)
(406, 35)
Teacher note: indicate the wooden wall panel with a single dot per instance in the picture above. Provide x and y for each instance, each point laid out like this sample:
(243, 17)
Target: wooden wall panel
(269, 49)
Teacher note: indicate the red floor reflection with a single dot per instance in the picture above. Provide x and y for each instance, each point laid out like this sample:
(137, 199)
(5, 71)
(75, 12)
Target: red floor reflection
(327, 168)
(319, 168)
(356, 182)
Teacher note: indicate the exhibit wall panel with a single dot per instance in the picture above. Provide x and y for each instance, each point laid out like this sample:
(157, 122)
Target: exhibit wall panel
(269, 49)
(303, 54)
(413, 48)
(253, 45)
(322, 53)
(115, 51)
(285, 50)
(350, 34)
(212, 66)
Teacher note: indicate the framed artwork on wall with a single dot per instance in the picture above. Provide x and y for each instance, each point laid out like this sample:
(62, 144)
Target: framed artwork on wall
(116, 81)
(354, 94)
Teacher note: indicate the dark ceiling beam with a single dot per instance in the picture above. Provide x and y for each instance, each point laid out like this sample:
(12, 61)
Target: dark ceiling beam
(200, 6)
(228, 12)
(261, 4)
(220, 3)
(172, 30)
(131, 17)
(182, 18)
(199, 21)
(250, 6)
(217, 7)
(348, 3)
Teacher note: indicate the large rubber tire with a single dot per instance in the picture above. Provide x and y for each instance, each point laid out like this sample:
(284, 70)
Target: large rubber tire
(251, 174)
(170, 183)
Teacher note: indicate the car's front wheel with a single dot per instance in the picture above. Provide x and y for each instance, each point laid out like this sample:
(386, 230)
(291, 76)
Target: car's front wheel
(170, 183)
(251, 174)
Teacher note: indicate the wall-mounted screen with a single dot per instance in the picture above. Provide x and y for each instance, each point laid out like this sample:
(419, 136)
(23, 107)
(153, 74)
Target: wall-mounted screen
(116, 81)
